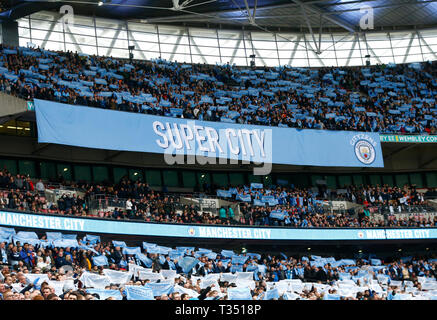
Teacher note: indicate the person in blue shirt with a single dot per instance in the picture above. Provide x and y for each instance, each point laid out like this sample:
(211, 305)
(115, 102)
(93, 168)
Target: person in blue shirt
(26, 255)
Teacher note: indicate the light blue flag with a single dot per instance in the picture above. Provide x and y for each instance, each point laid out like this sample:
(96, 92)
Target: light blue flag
(65, 243)
(24, 240)
(100, 260)
(185, 249)
(227, 253)
(148, 245)
(120, 244)
(254, 256)
(160, 288)
(375, 262)
(254, 185)
(69, 236)
(188, 263)
(239, 259)
(104, 294)
(212, 256)
(272, 294)
(88, 248)
(348, 262)
(6, 232)
(239, 293)
(139, 293)
(131, 250)
(144, 259)
(163, 250)
(176, 255)
(236, 268)
(51, 236)
(92, 239)
(27, 235)
(330, 296)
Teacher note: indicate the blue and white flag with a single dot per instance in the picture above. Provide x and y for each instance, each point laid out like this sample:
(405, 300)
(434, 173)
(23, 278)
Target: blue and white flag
(148, 245)
(254, 256)
(51, 236)
(375, 262)
(104, 294)
(239, 293)
(239, 259)
(182, 290)
(120, 244)
(36, 279)
(185, 249)
(236, 268)
(224, 194)
(92, 239)
(254, 185)
(227, 253)
(117, 277)
(100, 260)
(272, 294)
(188, 263)
(163, 250)
(176, 255)
(212, 256)
(65, 243)
(131, 250)
(144, 259)
(159, 288)
(27, 235)
(244, 197)
(92, 280)
(139, 293)
(69, 236)
(6, 232)
(89, 248)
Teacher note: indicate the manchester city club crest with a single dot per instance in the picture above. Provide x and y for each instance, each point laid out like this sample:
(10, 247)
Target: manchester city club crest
(191, 231)
(365, 151)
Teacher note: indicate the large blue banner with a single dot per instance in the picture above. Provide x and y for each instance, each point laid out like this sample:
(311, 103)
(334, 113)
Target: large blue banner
(100, 226)
(115, 130)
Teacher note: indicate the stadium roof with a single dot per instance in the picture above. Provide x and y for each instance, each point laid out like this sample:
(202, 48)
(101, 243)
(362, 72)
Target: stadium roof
(271, 15)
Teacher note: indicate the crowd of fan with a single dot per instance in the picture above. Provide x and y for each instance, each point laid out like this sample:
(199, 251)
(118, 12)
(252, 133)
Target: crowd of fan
(384, 98)
(46, 270)
(135, 200)
(305, 207)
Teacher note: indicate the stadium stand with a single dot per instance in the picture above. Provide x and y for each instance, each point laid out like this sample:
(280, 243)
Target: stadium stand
(279, 207)
(92, 209)
(60, 266)
(386, 99)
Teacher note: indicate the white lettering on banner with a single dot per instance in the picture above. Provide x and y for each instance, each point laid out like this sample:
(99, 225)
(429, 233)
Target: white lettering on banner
(375, 234)
(247, 134)
(200, 138)
(172, 134)
(407, 234)
(213, 139)
(33, 221)
(421, 233)
(362, 136)
(185, 137)
(234, 233)
(260, 141)
(163, 144)
(72, 224)
(234, 150)
(179, 136)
